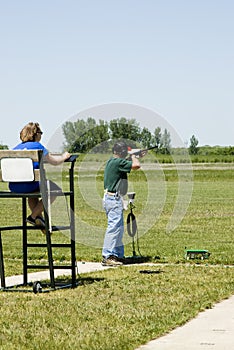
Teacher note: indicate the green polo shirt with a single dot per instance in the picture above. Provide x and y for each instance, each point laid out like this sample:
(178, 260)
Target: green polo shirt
(115, 175)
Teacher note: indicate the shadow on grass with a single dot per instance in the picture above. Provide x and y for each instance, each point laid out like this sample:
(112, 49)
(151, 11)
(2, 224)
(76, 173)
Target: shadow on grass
(80, 281)
(149, 272)
(140, 260)
(45, 287)
(83, 281)
(136, 259)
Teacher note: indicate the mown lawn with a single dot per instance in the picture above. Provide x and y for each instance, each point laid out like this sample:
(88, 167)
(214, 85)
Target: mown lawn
(123, 308)
(113, 309)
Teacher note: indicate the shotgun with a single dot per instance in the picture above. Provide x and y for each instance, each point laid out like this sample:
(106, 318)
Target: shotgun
(139, 151)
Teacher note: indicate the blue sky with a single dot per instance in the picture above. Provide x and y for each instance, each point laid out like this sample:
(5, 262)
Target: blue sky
(175, 57)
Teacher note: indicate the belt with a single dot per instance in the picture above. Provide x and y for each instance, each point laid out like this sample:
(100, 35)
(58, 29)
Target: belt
(111, 193)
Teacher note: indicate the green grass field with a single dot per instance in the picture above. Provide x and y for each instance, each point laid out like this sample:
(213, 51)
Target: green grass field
(123, 308)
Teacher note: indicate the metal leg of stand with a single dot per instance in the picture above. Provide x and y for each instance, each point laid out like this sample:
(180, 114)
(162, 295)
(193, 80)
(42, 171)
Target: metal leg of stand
(3, 285)
(72, 228)
(73, 255)
(48, 226)
(50, 258)
(25, 242)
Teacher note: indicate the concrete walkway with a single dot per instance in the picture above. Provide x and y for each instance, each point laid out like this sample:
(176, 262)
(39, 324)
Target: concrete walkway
(212, 329)
(82, 267)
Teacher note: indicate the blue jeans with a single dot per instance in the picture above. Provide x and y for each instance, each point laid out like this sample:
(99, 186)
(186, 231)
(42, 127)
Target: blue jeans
(113, 244)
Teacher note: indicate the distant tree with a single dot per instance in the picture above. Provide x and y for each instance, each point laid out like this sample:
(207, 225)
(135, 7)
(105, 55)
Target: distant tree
(101, 137)
(73, 131)
(157, 136)
(193, 149)
(165, 142)
(230, 150)
(122, 128)
(3, 146)
(146, 138)
(82, 136)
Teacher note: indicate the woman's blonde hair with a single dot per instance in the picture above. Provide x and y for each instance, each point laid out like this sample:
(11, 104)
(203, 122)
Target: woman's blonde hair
(29, 131)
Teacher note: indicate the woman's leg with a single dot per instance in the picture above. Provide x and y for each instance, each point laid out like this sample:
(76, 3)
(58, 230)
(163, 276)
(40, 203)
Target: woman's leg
(36, 204)
(36, 207)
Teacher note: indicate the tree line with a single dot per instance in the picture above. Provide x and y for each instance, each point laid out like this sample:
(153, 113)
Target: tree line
(3, 146)
(82, 135)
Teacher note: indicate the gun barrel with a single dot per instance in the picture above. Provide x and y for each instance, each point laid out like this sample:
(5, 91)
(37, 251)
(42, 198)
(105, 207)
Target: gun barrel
(153, 147)
(143, 150)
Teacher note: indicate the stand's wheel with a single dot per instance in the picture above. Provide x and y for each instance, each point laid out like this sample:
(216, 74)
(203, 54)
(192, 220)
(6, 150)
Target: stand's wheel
(37, 287)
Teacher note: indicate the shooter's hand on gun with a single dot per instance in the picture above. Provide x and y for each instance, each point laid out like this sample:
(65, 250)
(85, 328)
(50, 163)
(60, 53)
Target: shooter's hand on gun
(139, 153)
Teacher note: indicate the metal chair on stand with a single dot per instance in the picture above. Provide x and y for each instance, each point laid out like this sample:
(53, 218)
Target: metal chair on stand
(18, 166)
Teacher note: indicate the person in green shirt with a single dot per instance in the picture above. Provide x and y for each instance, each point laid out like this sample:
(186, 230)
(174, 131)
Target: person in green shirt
(115, 187)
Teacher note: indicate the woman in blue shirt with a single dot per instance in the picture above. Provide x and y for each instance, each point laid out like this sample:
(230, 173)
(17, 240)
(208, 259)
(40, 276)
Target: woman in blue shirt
(30, 136)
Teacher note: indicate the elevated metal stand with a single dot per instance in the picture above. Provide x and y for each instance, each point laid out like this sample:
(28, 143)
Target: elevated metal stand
(45, 194)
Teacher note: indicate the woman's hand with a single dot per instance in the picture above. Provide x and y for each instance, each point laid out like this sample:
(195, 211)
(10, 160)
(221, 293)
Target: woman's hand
(66, 155)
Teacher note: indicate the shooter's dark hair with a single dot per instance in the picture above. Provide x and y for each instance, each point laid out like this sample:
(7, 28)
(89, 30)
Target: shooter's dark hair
(120, 148)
